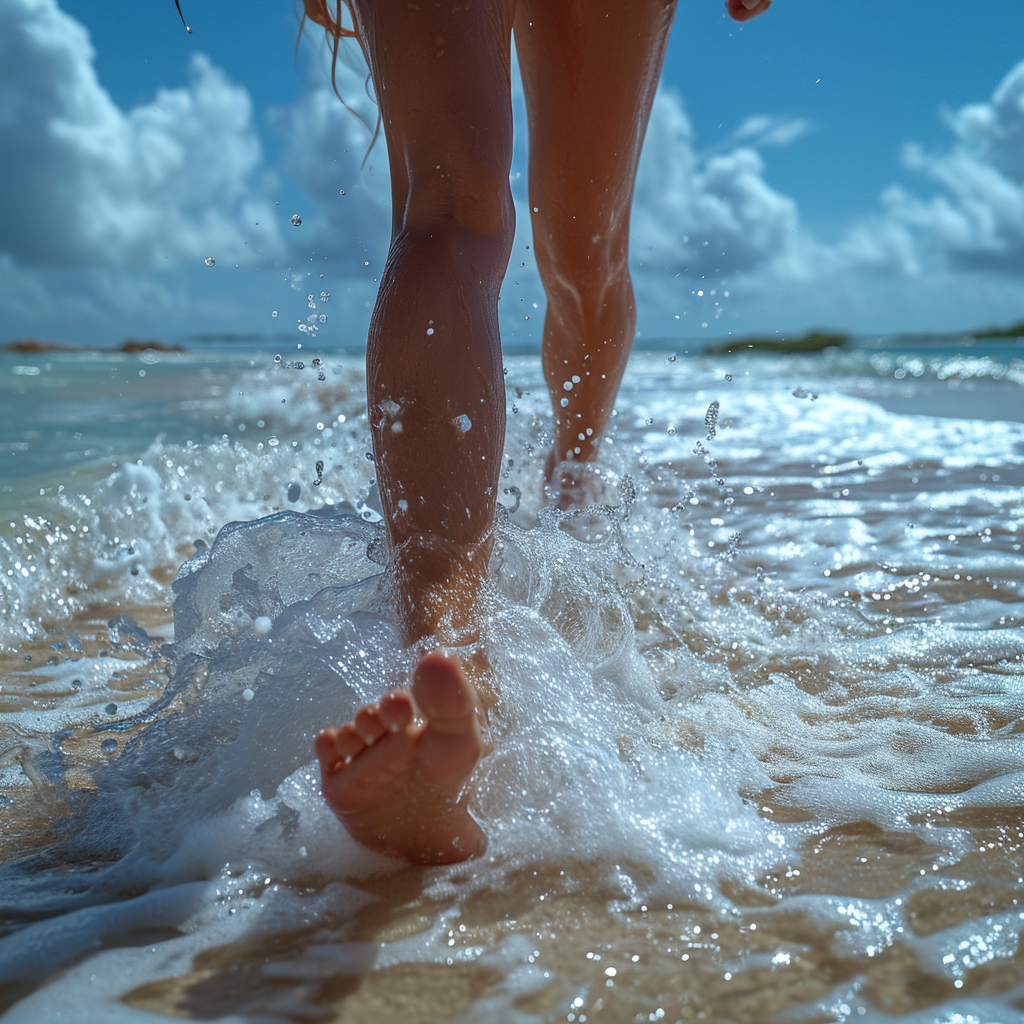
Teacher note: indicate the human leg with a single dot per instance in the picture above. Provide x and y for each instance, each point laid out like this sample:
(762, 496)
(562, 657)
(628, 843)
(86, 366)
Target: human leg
(435, 393)
(435, 388)
(590, 71)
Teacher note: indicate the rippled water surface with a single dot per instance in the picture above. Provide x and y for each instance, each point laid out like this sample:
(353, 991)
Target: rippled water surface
(759, 751)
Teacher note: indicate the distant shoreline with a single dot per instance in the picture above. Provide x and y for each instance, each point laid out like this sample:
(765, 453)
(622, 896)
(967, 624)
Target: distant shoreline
(810, 342)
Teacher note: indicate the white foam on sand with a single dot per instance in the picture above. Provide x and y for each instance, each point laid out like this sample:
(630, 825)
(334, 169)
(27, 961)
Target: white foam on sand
(653, 689)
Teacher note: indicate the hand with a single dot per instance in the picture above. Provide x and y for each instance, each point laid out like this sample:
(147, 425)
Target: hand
(744, 10)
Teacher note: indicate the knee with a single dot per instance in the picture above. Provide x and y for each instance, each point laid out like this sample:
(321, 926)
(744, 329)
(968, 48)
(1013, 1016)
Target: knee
(464, 195)
(581, 256)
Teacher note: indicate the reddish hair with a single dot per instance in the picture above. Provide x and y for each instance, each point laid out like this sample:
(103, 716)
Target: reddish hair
(317, 11)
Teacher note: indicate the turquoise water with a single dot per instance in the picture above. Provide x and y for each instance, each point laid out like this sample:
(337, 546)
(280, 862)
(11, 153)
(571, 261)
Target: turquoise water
(759, 744)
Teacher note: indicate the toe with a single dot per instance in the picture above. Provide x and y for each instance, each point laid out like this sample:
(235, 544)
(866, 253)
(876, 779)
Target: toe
(443, 693)
(368, 724)
(396, 710)
(334, 747)
(347, 742)
(325, 750)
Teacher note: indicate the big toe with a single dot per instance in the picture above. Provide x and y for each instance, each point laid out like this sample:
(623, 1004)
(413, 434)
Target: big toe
(443, 693)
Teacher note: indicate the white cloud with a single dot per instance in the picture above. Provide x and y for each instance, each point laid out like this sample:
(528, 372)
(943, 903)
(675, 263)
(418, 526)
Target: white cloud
(87, 184)
(766, 130)
(923, 261)
(96, 196)
(976, 222)
(711, 215)
(327, 151)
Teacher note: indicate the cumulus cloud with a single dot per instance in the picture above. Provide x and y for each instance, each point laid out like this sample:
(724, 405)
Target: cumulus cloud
(766, 130)
(976, 222)
(715, 212)
(708, 215)
(87, 184)
(328, 151)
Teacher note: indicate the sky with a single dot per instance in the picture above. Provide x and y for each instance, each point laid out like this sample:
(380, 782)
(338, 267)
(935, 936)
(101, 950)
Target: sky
(856, 166)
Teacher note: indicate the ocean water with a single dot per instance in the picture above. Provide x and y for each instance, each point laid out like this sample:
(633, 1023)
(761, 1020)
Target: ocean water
(759, 749)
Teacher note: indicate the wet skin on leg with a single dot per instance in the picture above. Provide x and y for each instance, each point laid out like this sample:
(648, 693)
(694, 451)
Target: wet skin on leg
(590, 72)
(435, 391)
(434, 383)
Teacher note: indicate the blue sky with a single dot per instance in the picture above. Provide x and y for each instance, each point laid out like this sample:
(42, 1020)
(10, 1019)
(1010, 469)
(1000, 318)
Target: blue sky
(858, 166)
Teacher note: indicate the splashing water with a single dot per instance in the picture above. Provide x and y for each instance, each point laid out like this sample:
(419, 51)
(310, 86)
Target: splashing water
(752, 761)
(711, 420)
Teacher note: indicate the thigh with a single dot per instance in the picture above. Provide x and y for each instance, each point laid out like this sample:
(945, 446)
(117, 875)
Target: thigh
(590, 70)
(441, 72)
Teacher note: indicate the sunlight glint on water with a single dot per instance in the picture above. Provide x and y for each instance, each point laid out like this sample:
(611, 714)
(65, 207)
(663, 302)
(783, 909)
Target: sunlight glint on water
(761, 728)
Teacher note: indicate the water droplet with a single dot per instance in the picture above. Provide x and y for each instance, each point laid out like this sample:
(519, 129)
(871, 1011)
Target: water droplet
(672, 358)
(517, 495)
(564, 402)
(430, 330)
(273, 442)
(296, 219)
(325, 296)
(627, 491)
(111, 709)
(277, 358)
(711, 420)
(210, 261)
(671, 431)
(341, 191)
(728, 376)
(274, 313)
(567, 385)
(247, 694)
(319, 473)
(109, 745)
(261, 625)
(463, 422)
(294, 492)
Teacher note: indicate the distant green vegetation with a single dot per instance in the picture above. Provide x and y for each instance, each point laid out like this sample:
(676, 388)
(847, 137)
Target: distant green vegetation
(1013, 331)
(812, 341)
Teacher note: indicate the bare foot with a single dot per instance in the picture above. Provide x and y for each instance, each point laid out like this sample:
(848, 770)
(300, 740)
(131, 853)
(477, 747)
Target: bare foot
(398, 786)
(571, 484)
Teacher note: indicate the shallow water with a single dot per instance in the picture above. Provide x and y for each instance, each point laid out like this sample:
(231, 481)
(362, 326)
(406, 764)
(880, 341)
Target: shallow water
(759, 749)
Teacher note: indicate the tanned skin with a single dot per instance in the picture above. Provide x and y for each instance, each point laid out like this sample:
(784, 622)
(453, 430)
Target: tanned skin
(398, 774)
